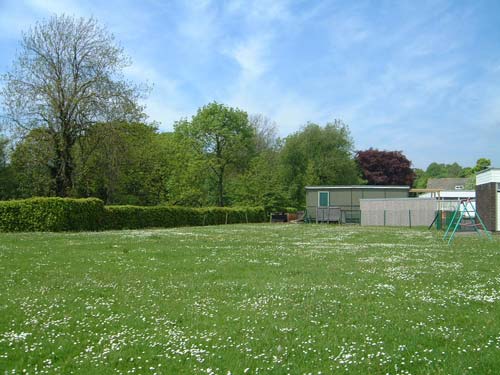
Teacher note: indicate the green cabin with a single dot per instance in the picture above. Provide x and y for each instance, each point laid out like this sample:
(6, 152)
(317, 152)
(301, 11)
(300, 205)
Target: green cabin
(322, 202)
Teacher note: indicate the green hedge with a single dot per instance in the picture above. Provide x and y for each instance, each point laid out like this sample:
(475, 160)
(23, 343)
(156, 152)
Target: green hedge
(132, 217)
(51, 215)
(65, 214)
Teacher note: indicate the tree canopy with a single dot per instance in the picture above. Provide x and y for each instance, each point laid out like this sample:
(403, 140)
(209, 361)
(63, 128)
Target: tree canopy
(441, 170)
(223, 137)
(67, 77)
(318, 155)
(385, 167)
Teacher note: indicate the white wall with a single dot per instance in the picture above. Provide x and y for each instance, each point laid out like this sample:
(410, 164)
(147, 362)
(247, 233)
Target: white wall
(491, 175)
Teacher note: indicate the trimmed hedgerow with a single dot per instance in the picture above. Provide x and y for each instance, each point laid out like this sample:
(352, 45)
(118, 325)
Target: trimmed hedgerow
(51, 215)
(133, 217)
(66, 214)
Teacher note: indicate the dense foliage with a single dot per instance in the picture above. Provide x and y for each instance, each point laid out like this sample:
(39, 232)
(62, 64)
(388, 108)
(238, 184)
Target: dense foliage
(67, 214)
(222, 138)
(133, 217)
(6, 176)
(125, 163)
(51, 214)
(221, 157)
(318, 156)
(437, 170)
(385, 167)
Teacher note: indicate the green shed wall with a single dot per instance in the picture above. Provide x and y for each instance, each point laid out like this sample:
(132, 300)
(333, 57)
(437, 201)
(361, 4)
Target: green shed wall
(348, 198)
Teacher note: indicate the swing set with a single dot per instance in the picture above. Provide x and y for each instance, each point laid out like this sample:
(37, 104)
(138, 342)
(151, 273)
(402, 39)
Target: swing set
(468, 217)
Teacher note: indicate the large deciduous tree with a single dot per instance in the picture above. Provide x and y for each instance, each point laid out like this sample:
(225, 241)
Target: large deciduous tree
(317, 156)
(66, 78)
(385, 167)
(223, 137)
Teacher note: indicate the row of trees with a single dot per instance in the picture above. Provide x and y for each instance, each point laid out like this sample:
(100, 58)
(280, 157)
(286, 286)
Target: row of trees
(454, 170)
(77, 129)
(221, 156)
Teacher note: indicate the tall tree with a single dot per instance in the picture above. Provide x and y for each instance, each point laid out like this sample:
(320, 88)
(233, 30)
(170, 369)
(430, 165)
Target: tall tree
(223, 137)
(385, 167)
(66, 78)
(188, 183)
(317, 155)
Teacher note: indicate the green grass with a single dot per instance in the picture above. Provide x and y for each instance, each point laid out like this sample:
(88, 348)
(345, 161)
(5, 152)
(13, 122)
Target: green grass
(260, 299)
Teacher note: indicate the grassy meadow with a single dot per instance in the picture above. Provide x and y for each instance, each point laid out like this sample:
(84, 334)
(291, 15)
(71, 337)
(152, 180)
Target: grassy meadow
(249, 299)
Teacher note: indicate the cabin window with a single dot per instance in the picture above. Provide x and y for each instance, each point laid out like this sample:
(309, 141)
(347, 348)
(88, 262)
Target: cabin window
(459, 187)
(324, 199)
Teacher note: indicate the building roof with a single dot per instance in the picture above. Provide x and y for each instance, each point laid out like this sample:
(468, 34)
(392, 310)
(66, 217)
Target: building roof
(357, 187)
(487, 176)
(488, 169)
(446, 183)
(455, 194)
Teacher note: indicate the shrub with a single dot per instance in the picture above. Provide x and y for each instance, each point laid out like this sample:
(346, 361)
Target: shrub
(51, 214)
(65, 214)
(132, 217)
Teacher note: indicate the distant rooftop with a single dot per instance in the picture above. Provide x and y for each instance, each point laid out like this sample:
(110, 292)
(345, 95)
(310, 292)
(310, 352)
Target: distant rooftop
(447, 183)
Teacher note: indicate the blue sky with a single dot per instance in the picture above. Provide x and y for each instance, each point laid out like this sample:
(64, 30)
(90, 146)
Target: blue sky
(422, 77)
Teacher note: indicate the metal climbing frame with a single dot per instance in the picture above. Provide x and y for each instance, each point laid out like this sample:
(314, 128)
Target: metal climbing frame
(465, 210)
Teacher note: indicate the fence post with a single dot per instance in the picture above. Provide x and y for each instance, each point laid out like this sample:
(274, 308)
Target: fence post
(384, 218)
(227, 213)
(409, 217)
(204, 219)
(246, 217)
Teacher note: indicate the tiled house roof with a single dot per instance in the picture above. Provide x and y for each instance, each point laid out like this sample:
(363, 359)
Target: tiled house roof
(447, 183)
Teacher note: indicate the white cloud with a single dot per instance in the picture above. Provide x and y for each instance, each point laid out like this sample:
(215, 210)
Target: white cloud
(253, 57)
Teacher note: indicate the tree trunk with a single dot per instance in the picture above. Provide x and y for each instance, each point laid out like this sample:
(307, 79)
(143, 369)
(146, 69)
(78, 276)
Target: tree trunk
(220, 175)
(64, 177)
(64, 163)
(220, 187)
